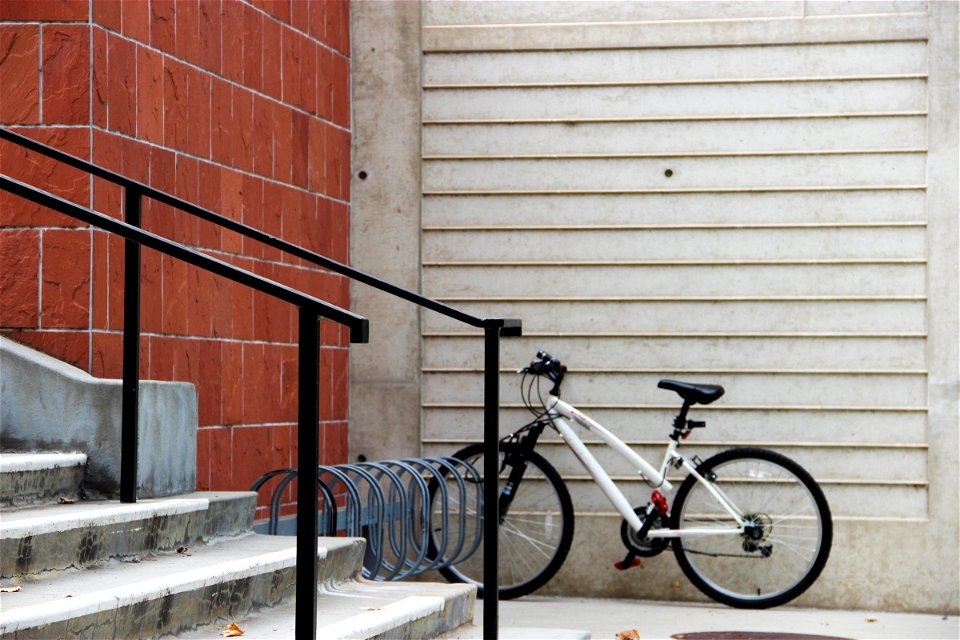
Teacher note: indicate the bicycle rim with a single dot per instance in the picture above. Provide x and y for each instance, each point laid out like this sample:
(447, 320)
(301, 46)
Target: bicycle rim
(780, 556)
(531, 542)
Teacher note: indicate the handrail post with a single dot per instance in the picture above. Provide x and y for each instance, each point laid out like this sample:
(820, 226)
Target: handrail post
(491, 466)
(308, 446)
(130, 408)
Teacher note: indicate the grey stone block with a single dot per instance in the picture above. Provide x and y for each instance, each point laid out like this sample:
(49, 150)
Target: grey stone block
(46, 404)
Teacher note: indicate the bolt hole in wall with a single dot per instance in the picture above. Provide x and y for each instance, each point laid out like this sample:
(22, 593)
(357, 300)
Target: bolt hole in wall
(668, 173)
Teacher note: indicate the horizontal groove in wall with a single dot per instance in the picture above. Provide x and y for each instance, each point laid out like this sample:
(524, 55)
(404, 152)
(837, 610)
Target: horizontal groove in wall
(730, 372)
(673, 407)
(681, 227)
(578, 192)
(694, 335)
(707, 443)
(661, 263)
(672, 154)
(574, 299)
(822, 481)
(696, 118)
(666, 83)
(676, 34)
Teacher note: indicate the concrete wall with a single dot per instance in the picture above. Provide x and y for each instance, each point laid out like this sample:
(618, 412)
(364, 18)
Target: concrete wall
(762, 195)
(241, 107)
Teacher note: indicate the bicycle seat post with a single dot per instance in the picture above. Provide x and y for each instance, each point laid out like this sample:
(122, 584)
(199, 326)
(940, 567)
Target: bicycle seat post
(680, 421)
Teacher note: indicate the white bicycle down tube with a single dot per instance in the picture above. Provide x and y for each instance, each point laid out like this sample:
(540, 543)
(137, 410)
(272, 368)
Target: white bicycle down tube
(599, 474)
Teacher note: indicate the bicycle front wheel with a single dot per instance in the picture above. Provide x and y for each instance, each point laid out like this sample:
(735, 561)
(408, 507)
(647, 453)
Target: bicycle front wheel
(535, 533)
(785, 545)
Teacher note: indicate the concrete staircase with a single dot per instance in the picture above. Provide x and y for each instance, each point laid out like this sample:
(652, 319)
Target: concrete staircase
(183, 565)
(101, 569)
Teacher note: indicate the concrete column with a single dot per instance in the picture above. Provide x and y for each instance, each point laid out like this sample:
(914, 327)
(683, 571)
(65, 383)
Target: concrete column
(385, 227)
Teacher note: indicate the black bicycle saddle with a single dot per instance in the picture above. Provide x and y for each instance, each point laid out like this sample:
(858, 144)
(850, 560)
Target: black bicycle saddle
(693, 393)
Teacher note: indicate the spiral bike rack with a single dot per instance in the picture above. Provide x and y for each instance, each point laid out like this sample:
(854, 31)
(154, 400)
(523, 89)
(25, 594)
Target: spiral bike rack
(416, 514)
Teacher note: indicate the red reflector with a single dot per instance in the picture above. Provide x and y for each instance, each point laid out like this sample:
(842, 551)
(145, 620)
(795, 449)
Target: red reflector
(659, 502)
(635, 563)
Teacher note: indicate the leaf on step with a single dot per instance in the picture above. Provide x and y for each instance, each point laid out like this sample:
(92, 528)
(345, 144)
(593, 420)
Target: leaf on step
(871, 619)
(10, 589)
(65, 500)
(371, 608)
(181, 549)
(628, 635)
(232, 630)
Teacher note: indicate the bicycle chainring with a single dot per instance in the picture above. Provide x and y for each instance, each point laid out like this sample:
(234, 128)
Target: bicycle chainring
(648, 547)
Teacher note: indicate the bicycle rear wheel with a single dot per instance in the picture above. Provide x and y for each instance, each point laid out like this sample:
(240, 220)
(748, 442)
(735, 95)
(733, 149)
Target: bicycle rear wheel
(535, 533)
(783, 551)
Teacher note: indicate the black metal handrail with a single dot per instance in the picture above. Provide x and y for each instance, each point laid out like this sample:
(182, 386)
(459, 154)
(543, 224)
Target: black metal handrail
(493, 329)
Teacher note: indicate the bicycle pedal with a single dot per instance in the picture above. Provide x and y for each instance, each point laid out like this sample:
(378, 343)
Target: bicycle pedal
(628, 563)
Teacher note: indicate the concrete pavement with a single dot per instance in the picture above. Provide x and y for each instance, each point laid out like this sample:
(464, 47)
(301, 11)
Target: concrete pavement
(525, 619)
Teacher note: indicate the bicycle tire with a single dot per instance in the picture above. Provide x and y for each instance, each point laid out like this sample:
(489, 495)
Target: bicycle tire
(541, 507)
(776, 493)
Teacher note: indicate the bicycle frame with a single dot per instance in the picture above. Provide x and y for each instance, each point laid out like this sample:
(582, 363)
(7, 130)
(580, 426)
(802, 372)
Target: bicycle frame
(559, 412)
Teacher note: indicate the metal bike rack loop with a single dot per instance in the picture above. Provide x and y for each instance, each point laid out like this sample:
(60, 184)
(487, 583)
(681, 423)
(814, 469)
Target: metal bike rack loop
(416, 514)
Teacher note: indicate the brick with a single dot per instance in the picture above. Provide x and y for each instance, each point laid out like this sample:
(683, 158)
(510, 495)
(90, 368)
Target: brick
(209, 390)
(340, 233)
(150, 95)
(161, 218)
(175, 104)
(187, 17)
(254, 444)
(279, 9)
(317, 24)
(31, 10)
(175, 283)
(73, 347)
(243, 129)
(252, 48)
(300, 16)
(231, 17)
(271, 319)
(66, 74)
(121, 80)
(325, 75)
(326, 383)
(332, 26)
(221, 460)
(231, 380)
(44, 173)
(151, 291)
(341, 90)
(107, 355)
(65, 273)
(262, 136)
(135, 162)
(209, 198)
(283, 143)
(203, 459)
(198, 113)
(186, 187)
(136, 21)
(115, 259)
(19, 74)
(334, 443)
(309, 51)
(99, 280)
(272, 56)
(99, 81)
(324, 221)
(107, 13)
(163, 34)
(222, 131)
(300, 142)
(290, 45)
(231, 199)
(290, 221)
(252, 214)
(19, 277)
(340, 382)
(344, 6)
(210, 35)
(315, 160)
(272, 214)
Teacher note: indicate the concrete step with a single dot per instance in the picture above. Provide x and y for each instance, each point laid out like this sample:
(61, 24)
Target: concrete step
(28, 478)
(62, 536)
(365, 610)
(168, 592)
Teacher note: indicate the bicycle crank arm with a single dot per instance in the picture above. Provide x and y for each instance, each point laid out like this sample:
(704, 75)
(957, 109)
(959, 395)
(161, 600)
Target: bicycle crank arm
(683, 533)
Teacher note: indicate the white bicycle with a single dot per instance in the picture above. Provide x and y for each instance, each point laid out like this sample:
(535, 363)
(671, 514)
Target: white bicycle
(749, 527)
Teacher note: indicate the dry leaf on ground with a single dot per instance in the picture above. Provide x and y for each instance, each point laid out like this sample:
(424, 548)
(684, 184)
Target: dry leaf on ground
(64, 500)
(628, 635)
(10, 589)
(181, 549)
(232, 630)
(871, 619)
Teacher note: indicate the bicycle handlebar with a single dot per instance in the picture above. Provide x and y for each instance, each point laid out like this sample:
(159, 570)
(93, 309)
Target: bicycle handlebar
(547, 365)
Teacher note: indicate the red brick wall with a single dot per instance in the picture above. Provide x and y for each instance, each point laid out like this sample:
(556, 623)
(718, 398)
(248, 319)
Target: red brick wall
(242, 107)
